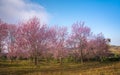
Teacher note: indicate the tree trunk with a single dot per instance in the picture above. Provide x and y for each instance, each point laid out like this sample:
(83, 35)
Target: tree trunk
(60, 60)
(81, 53)
(36, 57)
(81, 58)
(36, 60)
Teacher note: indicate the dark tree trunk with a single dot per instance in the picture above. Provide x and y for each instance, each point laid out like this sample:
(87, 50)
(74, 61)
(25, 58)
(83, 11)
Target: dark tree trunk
(81, 58)
(81, 53)
(36, 60)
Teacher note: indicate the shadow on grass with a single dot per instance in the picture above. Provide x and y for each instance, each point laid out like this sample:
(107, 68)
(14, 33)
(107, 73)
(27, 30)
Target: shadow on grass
(17, 72)
(17, 69)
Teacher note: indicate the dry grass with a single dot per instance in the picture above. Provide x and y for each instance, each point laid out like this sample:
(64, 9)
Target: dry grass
(88, 68)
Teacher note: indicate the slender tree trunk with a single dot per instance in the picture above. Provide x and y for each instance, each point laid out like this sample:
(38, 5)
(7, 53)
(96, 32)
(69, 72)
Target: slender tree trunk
(11, 60)
(0, 50)
(60, 60)
(81, 58)
(74, 60)
(81, 53)
(36, 60)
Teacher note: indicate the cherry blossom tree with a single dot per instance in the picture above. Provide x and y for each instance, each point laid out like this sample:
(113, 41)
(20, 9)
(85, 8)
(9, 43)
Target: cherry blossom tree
(79, 36)
(101, 46)
(3, 35)
(32, 38)
(11, 39)
(97, 47)
(57, 42)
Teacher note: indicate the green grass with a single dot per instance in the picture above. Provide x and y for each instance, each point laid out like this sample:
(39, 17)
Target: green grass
(88, 68)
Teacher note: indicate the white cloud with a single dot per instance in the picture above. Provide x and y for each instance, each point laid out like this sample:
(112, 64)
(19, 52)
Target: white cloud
(13, 11)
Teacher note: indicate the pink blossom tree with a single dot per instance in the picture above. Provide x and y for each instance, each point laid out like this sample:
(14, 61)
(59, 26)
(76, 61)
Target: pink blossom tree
(101, 46)
(11, 39)
(3, 35)
(58, 42)
(32, 38)
(79, 37)
(98, 46)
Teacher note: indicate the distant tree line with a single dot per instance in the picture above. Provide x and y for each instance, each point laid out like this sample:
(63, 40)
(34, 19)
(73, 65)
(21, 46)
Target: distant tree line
(36, 41)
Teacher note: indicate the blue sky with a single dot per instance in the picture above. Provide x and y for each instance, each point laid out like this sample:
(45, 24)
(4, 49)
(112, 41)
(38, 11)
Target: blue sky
(100, 15)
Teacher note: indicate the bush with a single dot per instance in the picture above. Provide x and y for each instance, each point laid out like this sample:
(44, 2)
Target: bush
(111, 59)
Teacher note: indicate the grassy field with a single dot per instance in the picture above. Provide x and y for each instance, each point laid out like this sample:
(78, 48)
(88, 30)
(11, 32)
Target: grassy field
(26, 67)
(88, 68)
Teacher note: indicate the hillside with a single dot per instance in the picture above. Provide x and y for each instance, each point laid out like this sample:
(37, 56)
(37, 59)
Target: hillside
(115, 49)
